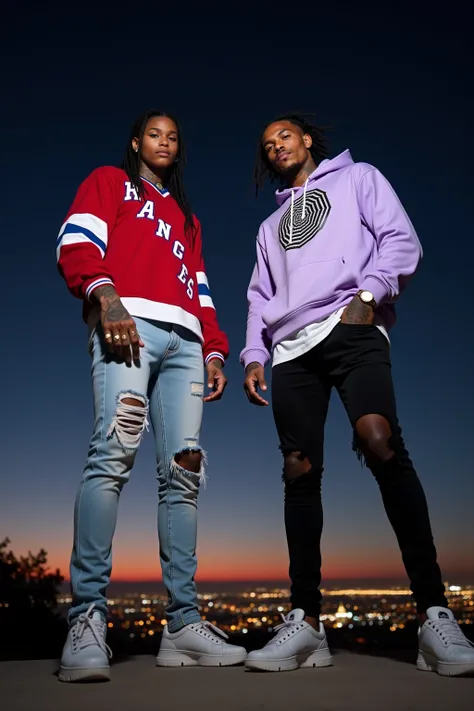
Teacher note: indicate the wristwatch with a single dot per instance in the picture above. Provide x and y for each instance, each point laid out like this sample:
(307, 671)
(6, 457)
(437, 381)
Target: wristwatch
(367, 298)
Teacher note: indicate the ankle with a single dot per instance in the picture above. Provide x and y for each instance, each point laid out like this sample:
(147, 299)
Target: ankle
(312, 621)
(422, 617)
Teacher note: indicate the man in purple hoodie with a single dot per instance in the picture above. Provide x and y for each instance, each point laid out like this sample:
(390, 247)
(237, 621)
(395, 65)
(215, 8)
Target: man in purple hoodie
(331, 262)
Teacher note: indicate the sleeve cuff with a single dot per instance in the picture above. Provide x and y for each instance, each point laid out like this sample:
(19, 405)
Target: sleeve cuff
(376, 287)
(100, 281)
(254, 356)
(212, 356)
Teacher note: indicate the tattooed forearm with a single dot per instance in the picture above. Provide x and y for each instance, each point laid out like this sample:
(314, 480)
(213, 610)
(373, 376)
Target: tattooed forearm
(108, 292)
(358, 313)
(112, 308)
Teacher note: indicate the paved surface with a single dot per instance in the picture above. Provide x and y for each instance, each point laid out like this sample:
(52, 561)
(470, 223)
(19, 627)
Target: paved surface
(354, 683)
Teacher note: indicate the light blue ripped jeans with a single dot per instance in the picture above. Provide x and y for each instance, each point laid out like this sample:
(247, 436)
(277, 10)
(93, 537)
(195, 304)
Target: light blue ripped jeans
(169, 381)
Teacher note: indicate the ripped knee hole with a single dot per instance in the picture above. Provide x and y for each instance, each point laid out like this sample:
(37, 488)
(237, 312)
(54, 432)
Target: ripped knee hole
(296, 464)
(190, 460)
(373, 438)
(130, 419)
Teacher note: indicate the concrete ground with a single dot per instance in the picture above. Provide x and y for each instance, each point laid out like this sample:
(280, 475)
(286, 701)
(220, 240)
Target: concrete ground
(354, 683)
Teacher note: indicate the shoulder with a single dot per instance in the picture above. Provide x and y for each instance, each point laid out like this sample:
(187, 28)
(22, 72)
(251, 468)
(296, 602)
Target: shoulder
(361, 169)
(108, 173)
(270, 225)
(104, 177)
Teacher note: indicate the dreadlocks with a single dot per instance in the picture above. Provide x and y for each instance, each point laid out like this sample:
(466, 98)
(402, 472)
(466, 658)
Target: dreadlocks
(174, 178)
(319, 148)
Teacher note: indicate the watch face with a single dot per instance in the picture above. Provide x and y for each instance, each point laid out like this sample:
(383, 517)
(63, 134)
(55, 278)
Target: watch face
(366, 296)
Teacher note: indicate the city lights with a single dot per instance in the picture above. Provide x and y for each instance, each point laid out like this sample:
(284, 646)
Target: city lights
(260, 609)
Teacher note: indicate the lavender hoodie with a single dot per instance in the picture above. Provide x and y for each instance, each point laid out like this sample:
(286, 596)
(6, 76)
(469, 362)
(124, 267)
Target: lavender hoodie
(344, 230)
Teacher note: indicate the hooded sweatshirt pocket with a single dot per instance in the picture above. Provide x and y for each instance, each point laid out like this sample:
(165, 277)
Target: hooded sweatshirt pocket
(308, 285)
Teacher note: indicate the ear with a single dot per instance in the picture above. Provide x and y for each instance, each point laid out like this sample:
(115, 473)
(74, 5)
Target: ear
(135, 144)
(307, 140)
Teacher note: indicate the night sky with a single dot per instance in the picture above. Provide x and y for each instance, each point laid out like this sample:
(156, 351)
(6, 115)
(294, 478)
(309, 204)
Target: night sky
(393, 82)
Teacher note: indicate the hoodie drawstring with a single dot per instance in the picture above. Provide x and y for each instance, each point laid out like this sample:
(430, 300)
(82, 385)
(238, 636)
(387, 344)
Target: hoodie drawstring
(291, 215)
(292, 209)
(303, 214)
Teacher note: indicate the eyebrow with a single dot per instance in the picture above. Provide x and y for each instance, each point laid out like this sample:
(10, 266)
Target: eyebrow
(278, 134)
(152, 128)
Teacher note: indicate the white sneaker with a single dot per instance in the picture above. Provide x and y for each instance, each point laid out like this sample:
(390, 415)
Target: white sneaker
(296, 644)
(442, 647)
(198, 644)
(85, 655)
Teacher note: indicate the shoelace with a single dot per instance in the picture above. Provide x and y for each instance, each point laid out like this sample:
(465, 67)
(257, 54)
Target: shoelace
(450, 632)
(285, 629)
(89, 632)
(207, 629)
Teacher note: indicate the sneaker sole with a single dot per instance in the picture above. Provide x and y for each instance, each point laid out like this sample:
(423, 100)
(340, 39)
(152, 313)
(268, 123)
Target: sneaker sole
(182, 659)
(78, 675)
(314, 661)
(429, 663)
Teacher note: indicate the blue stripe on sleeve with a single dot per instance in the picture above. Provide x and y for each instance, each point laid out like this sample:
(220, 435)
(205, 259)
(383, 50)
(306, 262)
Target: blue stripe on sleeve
(203, 290)
(75, 229)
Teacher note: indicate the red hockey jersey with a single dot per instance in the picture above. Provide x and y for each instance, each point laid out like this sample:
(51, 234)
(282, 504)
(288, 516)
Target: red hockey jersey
(110, 236)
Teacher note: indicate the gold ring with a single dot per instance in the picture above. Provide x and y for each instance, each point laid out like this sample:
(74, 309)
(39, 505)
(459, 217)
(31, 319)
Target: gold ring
(132, 333)
(108, 336)
(124, 336)
(116, 337)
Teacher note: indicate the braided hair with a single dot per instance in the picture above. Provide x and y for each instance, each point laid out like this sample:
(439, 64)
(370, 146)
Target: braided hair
(174, 177)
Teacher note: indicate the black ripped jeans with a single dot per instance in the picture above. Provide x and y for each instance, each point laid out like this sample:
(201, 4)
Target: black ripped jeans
(356, 361)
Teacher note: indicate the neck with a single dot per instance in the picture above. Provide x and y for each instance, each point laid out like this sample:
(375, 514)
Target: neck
(302, 174)
(151, 175)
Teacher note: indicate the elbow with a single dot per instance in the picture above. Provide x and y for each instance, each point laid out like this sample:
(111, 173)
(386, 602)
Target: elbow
(417, 258)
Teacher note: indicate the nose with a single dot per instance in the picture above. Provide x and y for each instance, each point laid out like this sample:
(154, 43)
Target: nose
(164, 141)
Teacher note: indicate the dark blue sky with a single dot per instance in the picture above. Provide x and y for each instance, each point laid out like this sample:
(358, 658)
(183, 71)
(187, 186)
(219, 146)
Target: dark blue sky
(393, 82)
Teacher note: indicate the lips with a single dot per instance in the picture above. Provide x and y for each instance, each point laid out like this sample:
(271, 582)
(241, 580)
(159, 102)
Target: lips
(163, 154)
(283, 155)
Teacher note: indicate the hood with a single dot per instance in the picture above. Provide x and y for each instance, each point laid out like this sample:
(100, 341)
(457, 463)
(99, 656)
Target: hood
(326, 166)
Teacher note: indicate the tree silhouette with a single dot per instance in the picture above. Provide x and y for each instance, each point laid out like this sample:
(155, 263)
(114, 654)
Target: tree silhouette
(29, 624)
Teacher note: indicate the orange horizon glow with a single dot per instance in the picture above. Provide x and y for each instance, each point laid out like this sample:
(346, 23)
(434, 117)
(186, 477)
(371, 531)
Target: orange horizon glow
(137, 560)
(279, 574)
(133, 571)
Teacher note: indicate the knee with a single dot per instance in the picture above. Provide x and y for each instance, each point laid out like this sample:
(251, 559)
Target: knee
(374, 435)
(188, 468)
(302, 480)
(130, 420)
(295, 465)
(191, 460)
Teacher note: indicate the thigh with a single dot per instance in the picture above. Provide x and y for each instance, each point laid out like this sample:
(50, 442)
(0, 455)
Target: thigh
(113, 379)
(300, 399)
(176, 398)
(362, 373)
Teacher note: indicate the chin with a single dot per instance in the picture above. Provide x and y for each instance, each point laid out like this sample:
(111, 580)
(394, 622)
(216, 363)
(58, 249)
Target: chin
(162, 164)
(286, 169)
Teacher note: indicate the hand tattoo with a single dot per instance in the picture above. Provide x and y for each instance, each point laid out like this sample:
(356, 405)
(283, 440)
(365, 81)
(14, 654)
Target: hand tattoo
(115, 311)
(112, 308)
(358, 313)
(108, 291)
